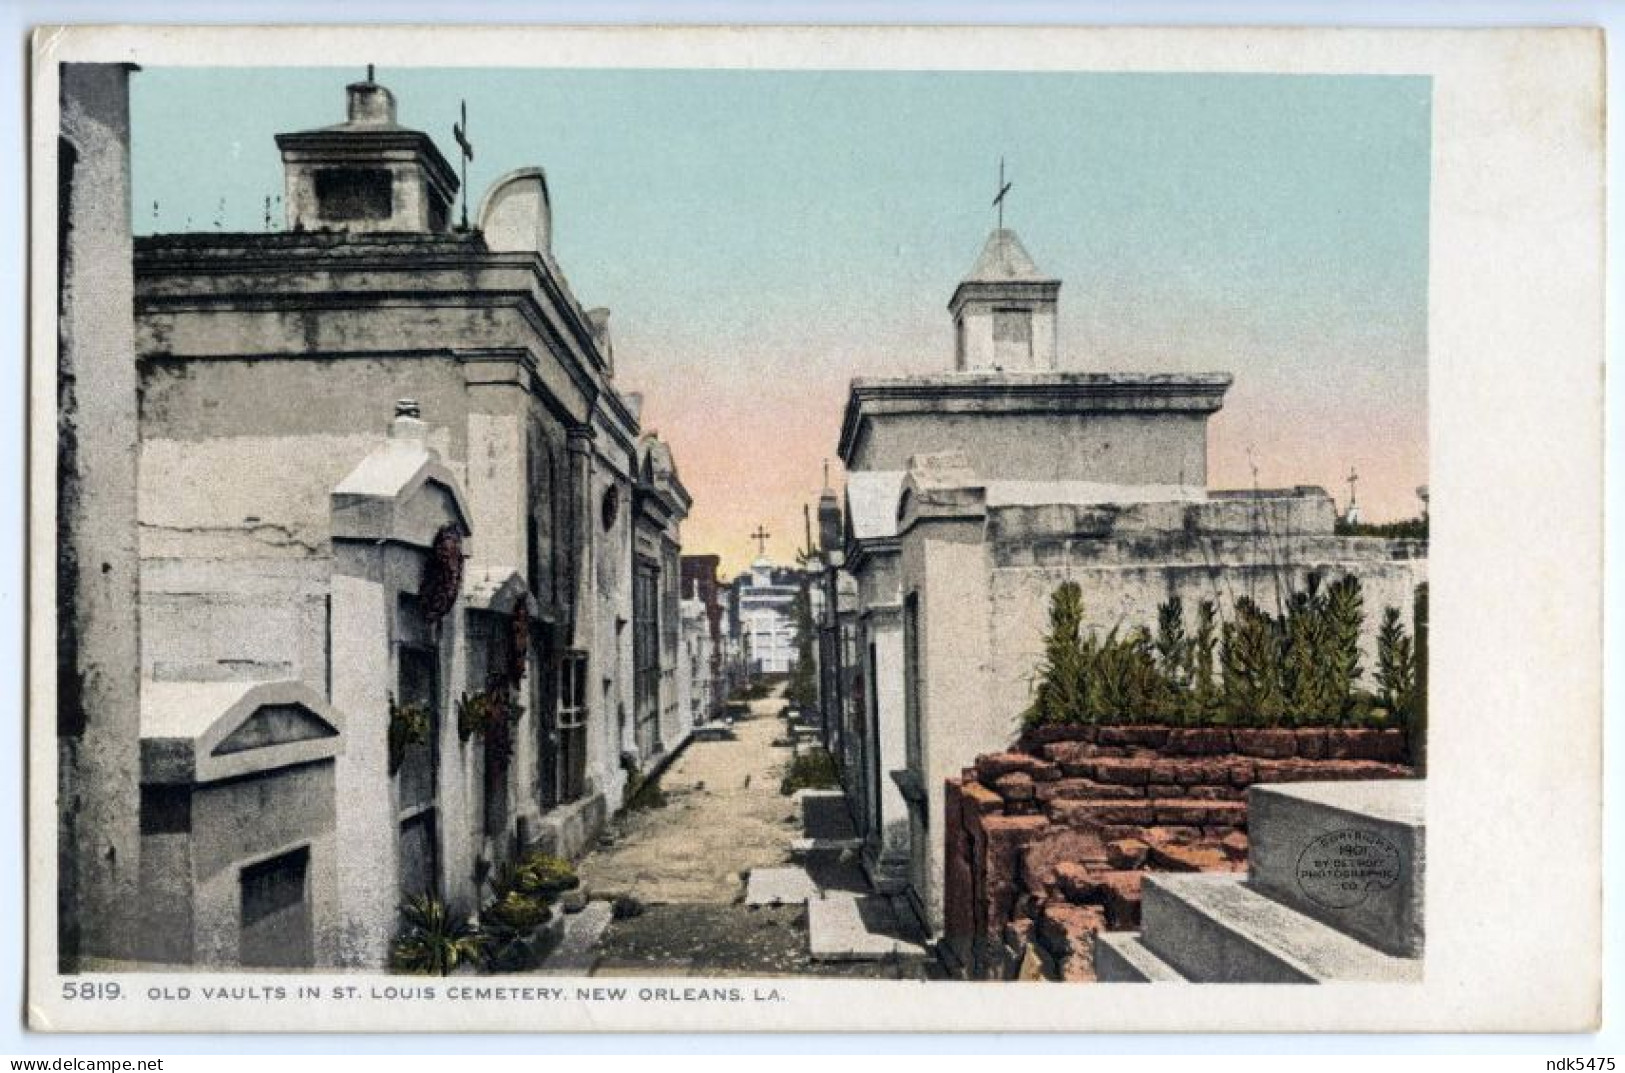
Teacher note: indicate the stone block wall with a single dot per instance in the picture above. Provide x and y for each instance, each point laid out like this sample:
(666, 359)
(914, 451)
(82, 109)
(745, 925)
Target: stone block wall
(1047, 844)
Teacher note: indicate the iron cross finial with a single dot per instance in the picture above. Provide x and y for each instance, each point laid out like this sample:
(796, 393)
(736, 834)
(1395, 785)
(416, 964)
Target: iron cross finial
(760, 536)
(459, 130)
(1004, 188)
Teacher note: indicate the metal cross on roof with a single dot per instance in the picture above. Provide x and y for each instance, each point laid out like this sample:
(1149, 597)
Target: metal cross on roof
(1004, 188)
(459, 130)
(760, 536)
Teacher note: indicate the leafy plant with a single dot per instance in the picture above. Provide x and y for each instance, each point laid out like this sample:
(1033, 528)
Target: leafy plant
(431, 941)
(475, 711)
(1251, 656)
(521, 893)
(1059, 695)
(491, 714)
(802, 690)
(517, 911)
(1416, 726)
(1396, 666)
(1309, 674)
(543, 875)
(1203, 700)
(1122, 682)
(408, 725)
(1409, 529)
(757, 690)
(812, 770)
(1175, 653)
(1301, 666)
(1345, 614)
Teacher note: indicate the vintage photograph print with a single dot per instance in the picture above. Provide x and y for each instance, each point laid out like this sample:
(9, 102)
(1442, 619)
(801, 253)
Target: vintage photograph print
(988, 541)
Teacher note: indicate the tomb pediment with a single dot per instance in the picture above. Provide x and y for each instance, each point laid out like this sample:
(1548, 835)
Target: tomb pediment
(401, 492)
(275, 724)
(197, 732)
(500, 590)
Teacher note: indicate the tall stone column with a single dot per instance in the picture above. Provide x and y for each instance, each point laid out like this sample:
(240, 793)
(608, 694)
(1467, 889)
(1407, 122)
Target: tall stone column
(98, 635)
(583, 618)
(578, 445)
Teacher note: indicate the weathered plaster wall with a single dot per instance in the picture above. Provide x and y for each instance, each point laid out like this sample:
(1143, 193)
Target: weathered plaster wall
(269, 396)
(98, 637)
(235, 619)
(165, 933)
(292, 807)
(943, 566)
(366, 824)
(498, 489)
(244, 497)
(980, 350)
(368, 584)
(886, 849)
(610, 678)
(1126, 448)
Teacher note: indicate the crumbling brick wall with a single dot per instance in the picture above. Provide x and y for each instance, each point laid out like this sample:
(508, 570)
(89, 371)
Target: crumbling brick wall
(1047, 844)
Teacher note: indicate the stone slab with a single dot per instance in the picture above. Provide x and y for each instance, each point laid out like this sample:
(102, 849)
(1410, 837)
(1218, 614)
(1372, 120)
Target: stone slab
(577, 949)
(779, 886)
(1349, 854)
(802, 847)
(1121, 958)
(1214, 928)
(844, 927)
(824, 815)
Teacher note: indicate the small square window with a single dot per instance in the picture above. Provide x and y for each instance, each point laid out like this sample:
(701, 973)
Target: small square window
(1012, 326)
(354, 193)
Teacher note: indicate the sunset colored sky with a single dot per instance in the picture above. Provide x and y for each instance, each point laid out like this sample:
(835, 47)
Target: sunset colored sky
(762, 237)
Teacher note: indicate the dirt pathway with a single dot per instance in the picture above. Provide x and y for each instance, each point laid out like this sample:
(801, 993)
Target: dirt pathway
(683, 867)
(723, 815)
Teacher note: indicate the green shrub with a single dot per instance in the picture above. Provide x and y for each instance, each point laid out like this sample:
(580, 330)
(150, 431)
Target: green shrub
(1251, 655)
(431, 941)
(516, 911)
(1301, 666)
(409, 724)
(1122, 682)
(812, 770)
(1058, 696)
(641, 792)
(1396, 666)
(544, 875)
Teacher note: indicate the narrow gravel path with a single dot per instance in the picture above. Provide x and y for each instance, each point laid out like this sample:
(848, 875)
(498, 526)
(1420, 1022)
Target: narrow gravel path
(685, 864)
(723, 815)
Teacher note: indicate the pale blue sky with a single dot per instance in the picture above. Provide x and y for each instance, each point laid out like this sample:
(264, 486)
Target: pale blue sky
(763, 236)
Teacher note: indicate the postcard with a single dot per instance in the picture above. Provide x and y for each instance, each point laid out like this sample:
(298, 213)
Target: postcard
(815, 529)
